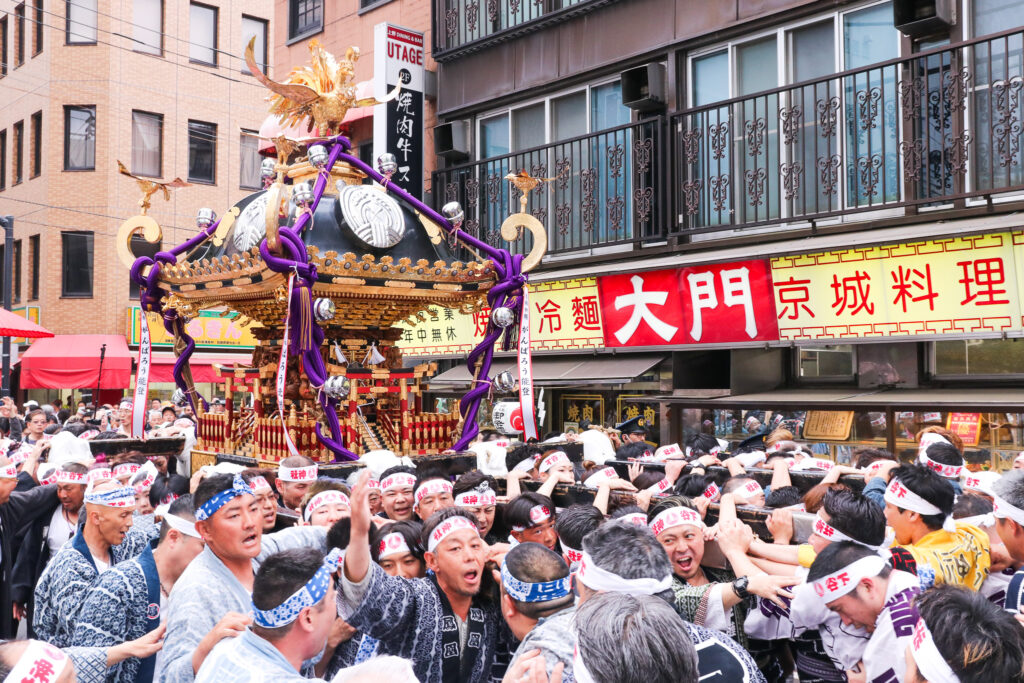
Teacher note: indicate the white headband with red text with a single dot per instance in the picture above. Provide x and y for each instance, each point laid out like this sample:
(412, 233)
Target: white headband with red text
(931, 665)
(675, 516)
(449, 526)
(330, 497)
(297, 473)
(397, 479)
(431, 487)
(839, 583)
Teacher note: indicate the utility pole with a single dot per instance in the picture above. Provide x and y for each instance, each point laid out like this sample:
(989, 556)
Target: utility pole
(8, 223)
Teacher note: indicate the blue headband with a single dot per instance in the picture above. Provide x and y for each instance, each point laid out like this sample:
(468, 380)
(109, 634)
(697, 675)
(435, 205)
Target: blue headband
(238, 488)
(121, 497)
(544, 591)
(307, 596)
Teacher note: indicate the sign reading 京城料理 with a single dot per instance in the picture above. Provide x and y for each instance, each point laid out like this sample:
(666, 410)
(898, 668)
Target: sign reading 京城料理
(952, 286)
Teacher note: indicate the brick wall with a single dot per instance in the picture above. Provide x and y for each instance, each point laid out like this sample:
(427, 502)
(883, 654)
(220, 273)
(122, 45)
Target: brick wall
(117, 79)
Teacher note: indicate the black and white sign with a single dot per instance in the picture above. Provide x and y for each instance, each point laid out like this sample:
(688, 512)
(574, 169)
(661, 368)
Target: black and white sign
(398, 124)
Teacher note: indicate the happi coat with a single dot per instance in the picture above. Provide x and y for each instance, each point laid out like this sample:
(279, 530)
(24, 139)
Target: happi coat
(66, 581)
(555, 637)
(824, 648)
(413, 619)
(248, 658)
(207, 590)
(884, 659)
(123, 605)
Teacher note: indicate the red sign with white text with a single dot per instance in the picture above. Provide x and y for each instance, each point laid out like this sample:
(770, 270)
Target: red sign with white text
(728, 302)
(642, 309)
(712, 304)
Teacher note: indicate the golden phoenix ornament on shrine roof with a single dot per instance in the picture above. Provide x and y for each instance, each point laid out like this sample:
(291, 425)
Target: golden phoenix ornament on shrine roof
(320, 94)
(150, 187)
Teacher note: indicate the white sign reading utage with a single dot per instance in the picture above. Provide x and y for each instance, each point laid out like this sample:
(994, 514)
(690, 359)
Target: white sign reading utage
(398, 125)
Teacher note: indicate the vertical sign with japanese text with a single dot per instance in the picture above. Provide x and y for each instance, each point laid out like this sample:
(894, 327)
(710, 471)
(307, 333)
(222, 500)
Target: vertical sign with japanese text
(398, 125)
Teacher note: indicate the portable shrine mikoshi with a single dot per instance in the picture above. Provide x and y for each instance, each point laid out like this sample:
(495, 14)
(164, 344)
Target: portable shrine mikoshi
(327, 266)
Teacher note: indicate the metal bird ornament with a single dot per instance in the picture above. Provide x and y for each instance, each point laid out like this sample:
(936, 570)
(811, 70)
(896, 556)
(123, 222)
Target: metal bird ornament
(151, 187)
(320, 94)
(524, 182)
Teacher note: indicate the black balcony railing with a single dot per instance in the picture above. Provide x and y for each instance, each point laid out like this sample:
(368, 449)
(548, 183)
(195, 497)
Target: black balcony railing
(605, 190)
(938, 127)
(462, 26)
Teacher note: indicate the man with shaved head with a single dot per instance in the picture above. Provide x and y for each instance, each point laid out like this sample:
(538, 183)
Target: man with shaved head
(107, 537)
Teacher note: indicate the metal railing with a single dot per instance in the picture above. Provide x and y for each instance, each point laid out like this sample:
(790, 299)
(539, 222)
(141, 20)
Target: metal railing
(935, 128)
(462, 26)
(607, 189)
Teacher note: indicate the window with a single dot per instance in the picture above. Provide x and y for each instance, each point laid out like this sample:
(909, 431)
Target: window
(19, 35)
(18, 149)
(76, 264)
(202, 152)
(37, 45)
(304, 17)
(552, 128)
(37, 145)
(830, 361)
(255, 28)
(977, 357)
(751, 158)
(249, 164)
(17, 271)
(3, 47)
(3, 159)
(81, 26)
(140, 247)
(79, 138)
(148, 29)
(147, 143)
(33, 285)
(202, 34)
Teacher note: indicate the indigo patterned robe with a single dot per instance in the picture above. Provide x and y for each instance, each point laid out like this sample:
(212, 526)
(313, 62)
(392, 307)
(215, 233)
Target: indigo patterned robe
(66, 581)
(123, 605)
(411, 619)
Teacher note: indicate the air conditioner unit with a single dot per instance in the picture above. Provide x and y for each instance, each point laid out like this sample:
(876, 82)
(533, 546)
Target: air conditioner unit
(643, 87)
(451, 140)
(922, 18)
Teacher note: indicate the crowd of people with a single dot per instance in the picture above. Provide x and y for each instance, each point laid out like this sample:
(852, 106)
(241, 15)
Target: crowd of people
(118, 570)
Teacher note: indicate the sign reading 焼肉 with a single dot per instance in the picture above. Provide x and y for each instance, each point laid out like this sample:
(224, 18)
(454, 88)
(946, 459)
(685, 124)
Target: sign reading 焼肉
(398, 125)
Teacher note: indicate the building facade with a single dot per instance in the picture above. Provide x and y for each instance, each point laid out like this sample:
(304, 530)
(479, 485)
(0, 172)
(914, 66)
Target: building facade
(773, 212)
(159, 85)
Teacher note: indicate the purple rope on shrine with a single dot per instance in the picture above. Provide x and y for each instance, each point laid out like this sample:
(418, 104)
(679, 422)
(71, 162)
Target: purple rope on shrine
(508, 268)
(296, 259)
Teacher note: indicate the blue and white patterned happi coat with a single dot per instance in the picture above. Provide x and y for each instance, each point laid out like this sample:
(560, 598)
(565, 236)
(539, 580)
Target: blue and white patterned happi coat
(248, 659)
(67, 579)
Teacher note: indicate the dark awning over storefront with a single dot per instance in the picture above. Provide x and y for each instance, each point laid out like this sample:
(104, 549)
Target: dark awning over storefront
(565, 371)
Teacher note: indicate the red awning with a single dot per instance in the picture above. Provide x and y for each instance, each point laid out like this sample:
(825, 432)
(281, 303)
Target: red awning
(72, 361)
(14, 325)
(202, 364)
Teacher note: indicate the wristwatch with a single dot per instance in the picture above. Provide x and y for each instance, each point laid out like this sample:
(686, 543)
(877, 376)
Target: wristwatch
(739, 586)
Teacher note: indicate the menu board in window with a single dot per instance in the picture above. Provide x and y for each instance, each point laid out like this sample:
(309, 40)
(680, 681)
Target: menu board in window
(831, 425)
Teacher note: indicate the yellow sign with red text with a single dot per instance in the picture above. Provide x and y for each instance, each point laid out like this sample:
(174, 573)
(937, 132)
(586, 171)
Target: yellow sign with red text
(953, 286)
(565, 315)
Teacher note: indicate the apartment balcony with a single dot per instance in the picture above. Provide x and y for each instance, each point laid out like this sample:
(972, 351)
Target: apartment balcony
(464, 26)
(936, 131)
(939, 129)
(607, 190)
